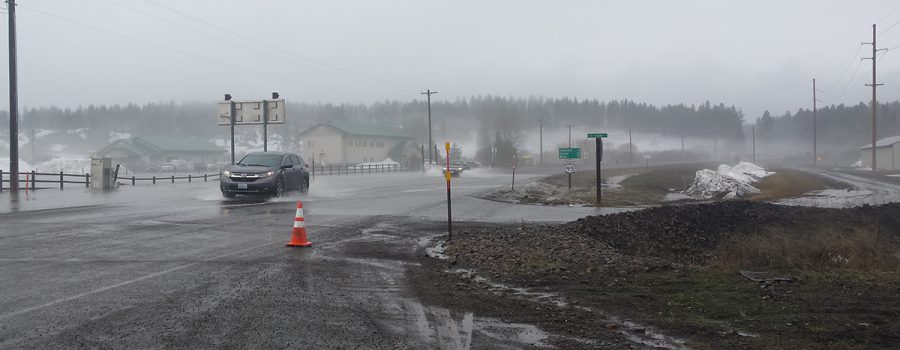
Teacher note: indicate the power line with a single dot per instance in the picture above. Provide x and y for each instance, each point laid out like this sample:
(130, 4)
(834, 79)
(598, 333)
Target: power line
(891, 12)
(242, 47)
(854, 80)
(273, 47)
(889, 28)
(853, 58)
(186, 53)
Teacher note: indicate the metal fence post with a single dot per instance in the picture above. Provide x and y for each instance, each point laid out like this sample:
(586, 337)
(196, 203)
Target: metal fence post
(1, 180)
(132, 180)
(329, 170)
(204, 177)
(189, 177)
(60, 180)
(173, 178)
(32, 180)
(87, 180)
(154, 179)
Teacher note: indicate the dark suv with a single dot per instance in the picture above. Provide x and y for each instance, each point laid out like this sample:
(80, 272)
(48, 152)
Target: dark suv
(271, 173)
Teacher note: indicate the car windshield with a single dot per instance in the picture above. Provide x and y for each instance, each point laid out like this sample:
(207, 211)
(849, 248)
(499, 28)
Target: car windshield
(260, 159)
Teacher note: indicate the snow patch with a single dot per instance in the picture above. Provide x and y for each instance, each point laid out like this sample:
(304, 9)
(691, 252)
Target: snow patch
(727, 182)
(65, 165)
(81, 132)
(42, 133)
(615, 181)
(113, 136)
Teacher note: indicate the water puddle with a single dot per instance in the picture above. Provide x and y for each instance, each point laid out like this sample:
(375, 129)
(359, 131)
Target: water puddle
(633, 331)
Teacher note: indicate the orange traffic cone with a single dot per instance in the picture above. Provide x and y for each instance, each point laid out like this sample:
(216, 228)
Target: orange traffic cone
(298, 234)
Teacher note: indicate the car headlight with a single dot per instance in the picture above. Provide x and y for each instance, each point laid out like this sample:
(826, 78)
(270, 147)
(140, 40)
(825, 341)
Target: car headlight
(226, 173)
(267, 174)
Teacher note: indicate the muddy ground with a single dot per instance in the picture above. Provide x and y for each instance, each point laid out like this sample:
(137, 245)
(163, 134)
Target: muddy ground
(672, 277)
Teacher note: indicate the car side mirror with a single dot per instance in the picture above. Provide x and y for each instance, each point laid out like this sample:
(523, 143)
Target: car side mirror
(287, 166)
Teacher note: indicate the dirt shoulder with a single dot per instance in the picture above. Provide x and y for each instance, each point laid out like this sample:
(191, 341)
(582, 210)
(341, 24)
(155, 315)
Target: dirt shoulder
(825, 278)
(644, 187)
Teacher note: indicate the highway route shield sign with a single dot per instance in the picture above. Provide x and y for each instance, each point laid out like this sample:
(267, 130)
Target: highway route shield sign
(570, 168)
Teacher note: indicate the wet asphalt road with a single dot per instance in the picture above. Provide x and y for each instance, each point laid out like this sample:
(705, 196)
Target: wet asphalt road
(176, 266)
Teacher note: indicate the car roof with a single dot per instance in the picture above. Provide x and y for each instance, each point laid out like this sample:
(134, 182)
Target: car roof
(271, 152)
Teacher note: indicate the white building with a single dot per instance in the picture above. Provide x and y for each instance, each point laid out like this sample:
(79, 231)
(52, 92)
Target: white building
(887, 154)
(352, 143)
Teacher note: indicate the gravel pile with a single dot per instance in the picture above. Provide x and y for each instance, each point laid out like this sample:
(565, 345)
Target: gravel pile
(656, 237)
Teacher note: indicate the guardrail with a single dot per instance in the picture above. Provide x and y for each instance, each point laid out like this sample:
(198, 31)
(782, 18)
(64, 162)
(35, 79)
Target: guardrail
(355, 169)
(33, 178)
(30, 179)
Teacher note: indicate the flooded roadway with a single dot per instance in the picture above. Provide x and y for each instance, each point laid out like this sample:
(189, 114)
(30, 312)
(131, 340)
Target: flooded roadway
(178, 266)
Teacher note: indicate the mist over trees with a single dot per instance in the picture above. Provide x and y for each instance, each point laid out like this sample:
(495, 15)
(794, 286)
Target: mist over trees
(492, 121)
(839, 127)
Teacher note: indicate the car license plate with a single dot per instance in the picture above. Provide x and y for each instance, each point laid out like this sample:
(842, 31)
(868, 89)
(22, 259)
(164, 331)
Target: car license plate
(242, 186)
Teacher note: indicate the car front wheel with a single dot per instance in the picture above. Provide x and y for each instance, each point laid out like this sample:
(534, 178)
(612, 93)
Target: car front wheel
(279, 189)
(304, 188)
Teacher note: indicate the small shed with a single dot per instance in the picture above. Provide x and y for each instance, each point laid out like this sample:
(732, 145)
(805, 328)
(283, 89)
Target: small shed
(887, 154)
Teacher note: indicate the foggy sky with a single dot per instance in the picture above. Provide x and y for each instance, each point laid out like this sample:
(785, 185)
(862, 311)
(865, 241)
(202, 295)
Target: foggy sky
(756, 55)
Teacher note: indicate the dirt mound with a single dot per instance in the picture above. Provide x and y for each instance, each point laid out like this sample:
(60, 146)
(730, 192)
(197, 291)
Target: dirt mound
(687, 233)
(661, 236)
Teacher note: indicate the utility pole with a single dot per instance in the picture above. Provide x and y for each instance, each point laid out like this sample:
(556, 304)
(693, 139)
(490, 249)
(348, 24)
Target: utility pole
(431, 146)
(754, 144)
(570, 135)
(630, 151)
(715, 148)
(13, 101)
(541, 133)
(815, 130)
(32, 148)
(874, 86)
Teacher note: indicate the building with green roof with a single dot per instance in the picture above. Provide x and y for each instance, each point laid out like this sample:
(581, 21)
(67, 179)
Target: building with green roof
(148, 153)
(354, 143)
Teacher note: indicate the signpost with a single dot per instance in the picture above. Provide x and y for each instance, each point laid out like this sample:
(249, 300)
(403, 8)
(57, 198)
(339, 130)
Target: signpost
(447, 174)
(263, 112)
(599, 136)
(570, 153)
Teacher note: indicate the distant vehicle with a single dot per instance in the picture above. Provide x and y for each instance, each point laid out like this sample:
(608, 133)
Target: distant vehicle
(456, 168)
(272, 173)
(167, 168)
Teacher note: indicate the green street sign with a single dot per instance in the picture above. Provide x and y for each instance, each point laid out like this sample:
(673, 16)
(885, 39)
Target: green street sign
(598, 135)
(569, 153)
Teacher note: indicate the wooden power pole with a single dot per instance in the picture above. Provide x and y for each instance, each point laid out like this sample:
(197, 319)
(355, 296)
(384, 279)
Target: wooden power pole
(874, 86)
(13, 101)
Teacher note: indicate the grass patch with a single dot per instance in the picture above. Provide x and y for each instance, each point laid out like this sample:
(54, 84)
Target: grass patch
(822, 250)
(644, 187)
(787, 183)
(719, 310)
